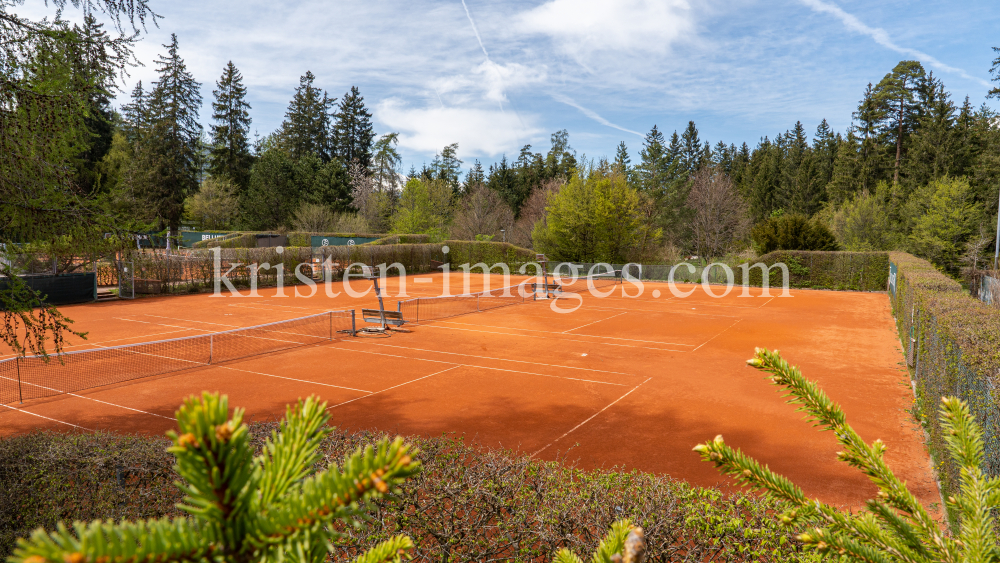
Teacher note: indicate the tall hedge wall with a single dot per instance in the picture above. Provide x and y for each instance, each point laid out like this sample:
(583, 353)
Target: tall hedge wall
(856, 271)
(957, 353)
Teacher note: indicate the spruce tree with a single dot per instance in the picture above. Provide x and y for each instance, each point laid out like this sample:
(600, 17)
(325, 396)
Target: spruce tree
(933, 149)
(692, 153)
(174, 136)
(230, 152)
(352, 131)
(448, 167)
(560, 162)
(475, 177)
(824, 149)
(306, 129)
(134, 113)
(622, 159)
(652, 169)
(386, 162)
(870, 116)
(95, 75)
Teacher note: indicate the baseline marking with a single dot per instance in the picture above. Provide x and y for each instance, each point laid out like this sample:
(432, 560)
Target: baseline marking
(562, 339)
(595, 322)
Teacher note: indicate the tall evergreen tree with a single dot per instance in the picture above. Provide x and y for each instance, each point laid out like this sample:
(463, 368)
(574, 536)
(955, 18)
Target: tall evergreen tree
(871, 113)
(560, 162)
(824, 148)
(475, 177)
(230, 149)
(352, 131)
(623, 161)
(898, 90)
(502, 179)
(174, 136)
(306, 129)
(448, 167)
(386, 162)
(692, 152)
(95, 75)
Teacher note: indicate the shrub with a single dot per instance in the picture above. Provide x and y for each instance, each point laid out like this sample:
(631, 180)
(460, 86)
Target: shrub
(466, 504)
(271, 507)
(792, 232)
(895, 527)
(855, 271)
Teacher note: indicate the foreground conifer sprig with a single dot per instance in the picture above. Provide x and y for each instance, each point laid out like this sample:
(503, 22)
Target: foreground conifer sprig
(272, 507)
(625, 543)
(895, 527)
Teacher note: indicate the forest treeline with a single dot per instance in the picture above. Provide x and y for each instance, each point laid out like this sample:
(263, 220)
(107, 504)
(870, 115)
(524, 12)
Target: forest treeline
(916, 170)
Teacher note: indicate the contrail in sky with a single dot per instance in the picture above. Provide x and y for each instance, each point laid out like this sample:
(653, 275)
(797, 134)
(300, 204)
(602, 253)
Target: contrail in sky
(490, 62)
(592, 114)
(881, 37)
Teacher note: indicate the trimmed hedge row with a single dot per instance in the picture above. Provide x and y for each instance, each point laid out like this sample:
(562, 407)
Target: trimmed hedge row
(854, 271)
(957, 352)
(417, 258)
(467, 504)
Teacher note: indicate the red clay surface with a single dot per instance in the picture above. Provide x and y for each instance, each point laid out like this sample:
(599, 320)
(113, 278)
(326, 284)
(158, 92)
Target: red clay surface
(632, 382)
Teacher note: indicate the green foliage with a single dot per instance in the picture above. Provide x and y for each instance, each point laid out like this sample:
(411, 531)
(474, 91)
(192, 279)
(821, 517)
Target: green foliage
(351, 132)
(243, 507)
(230, 152)
(852, 271)
(306, 129)
(943, 217)
(425, 207)
(214, 206)
(468, 503)
(895, 526)
(596, 217)
(280, 183)
(956, 338)
(623, 544)
(792, 232)
(865, 222)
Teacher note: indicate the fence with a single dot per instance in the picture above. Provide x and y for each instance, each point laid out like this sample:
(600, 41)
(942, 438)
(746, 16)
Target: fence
(950, 339)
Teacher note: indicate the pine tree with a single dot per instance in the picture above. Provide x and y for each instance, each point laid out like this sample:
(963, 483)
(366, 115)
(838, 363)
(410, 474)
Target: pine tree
(824, 150)
(560, 162)
(692, 154)
(306, 129)
(502, 179)
(134, 113)
(762, 182)
(651, 173)
(475, 177)
(932, 152)
(174, 136)
(230, 152)
(96, 75)
(995, 72)
(352, 130)
(386, 163)
(448, 167)
(897, 91)
(870, 116)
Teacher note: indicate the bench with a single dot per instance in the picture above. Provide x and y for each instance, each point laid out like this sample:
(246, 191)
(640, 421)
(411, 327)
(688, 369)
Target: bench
(375, 316)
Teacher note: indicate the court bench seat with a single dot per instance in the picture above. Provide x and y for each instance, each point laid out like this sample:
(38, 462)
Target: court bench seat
(375, 316)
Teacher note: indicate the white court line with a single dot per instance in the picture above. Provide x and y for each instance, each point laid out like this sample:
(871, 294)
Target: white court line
(499, 359)
(7, 356)
(294, 379)
(663, 311)
(766, 302)
(560, 339)
(595, 322)
(47, 418)
(162, 324)
(553, 332)
(481, 367)
(713, 338)
(187, 320)
(568, 432)
(393, 387)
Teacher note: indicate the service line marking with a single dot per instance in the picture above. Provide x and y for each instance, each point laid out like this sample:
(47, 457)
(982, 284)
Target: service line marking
(714, 337)
(48, 418)
(560, 339)
(571, 430)
(553, 332)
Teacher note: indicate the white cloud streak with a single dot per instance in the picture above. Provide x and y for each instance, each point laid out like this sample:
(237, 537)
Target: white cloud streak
(592, 114)
(881, 37)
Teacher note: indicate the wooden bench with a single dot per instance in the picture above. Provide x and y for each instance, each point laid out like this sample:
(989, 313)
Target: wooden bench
(375, 316)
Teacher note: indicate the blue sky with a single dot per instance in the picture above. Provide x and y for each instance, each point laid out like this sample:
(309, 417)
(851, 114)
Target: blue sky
(494, 76)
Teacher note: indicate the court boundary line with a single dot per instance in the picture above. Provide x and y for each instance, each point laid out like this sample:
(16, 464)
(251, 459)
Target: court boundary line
(294, 379)
(394, 387)
(484, 367)
(591, 417)
(47, 418)
(501, 359)
(562, 339)
(595, 322)
(717, 335)
(552, 332)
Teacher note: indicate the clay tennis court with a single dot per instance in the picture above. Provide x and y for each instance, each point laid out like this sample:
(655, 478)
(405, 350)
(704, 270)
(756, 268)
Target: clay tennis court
(630, 382)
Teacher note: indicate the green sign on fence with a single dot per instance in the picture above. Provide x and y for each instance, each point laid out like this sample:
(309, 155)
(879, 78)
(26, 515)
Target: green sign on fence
(892, 279)
(188, 238)
(339, 241)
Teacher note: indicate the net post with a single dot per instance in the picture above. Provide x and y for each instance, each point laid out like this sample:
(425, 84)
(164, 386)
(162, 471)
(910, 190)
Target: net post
(20, 394)
(354, 326)
(330, 313)
(211, 347)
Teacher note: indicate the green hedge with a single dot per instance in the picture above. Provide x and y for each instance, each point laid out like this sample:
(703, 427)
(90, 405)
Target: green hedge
(417, 258)
(957, 352)
(302, 238)
(854, 271)
(232, 240)
(467, 504)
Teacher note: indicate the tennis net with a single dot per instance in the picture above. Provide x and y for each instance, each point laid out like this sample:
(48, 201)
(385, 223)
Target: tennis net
(33, 377)
(579, 284)
(432, 308)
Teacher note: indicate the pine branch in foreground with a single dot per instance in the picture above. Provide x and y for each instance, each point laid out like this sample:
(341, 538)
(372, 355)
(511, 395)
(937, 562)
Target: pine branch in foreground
(271, 507)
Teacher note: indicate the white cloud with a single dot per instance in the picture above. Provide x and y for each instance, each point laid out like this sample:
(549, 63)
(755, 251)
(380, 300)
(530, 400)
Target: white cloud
(487, 132)
(881, 37)
(582, 26)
